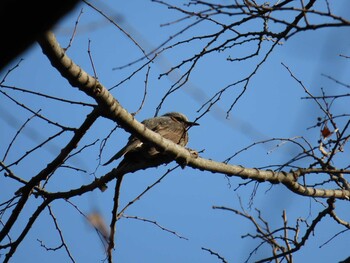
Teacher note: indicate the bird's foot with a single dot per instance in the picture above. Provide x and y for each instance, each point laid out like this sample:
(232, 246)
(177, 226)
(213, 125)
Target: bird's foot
(183, 162)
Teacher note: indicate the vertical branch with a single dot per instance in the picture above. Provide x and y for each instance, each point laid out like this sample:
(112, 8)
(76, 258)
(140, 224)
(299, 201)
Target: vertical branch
(289, 258)
(114, 219)
(63, 242)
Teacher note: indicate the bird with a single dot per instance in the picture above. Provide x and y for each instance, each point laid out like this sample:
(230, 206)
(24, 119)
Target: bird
(141, 155)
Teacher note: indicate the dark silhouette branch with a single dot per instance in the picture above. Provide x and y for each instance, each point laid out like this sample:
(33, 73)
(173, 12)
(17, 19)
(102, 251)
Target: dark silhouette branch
(27, 190)
(111, 239)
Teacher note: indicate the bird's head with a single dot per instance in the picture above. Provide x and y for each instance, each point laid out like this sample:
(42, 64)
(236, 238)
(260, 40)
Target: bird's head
(177, 116)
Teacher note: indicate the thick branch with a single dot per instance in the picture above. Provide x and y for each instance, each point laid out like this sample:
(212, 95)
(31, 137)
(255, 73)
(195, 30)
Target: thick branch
(288, 179)
(111, 108)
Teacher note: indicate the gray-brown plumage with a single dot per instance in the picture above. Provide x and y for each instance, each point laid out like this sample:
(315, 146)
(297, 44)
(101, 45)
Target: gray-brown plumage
(172, 126)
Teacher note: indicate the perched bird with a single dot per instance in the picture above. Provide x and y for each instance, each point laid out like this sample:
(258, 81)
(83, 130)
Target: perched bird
(141, 155)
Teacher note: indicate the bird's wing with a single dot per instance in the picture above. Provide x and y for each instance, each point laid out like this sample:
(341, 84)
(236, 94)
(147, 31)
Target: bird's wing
(132, 144)
(161, 125)
(170, 130)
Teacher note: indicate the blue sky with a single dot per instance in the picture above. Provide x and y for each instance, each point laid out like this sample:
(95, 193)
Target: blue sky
(271, 108)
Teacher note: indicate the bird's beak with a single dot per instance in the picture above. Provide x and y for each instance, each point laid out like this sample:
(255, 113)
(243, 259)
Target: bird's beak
(190, 123)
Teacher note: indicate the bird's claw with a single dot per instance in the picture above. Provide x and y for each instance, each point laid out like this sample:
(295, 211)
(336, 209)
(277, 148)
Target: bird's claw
(183, 162)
